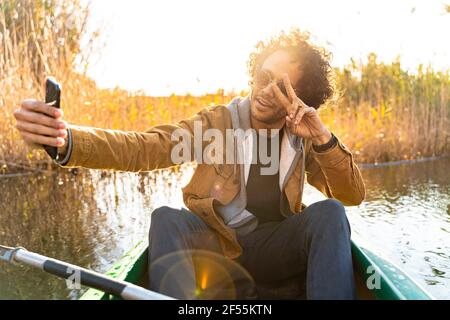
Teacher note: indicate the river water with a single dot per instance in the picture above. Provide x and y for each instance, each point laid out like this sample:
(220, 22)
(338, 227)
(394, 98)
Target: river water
(91, 218)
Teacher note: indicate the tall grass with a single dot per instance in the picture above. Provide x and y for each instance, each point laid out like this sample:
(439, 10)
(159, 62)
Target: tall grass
(38, 38)
(383, 113)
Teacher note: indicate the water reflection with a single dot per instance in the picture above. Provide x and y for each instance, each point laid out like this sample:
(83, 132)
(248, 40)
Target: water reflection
(94, 217)
(90, 219)
(406, 217)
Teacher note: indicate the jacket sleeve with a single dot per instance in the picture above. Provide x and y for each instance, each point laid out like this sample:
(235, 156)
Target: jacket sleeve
(97, 148)
(335, 174)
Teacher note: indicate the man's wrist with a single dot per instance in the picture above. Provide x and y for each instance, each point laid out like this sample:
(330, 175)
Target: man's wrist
(322, 139)
(326, 146)
(65, 152)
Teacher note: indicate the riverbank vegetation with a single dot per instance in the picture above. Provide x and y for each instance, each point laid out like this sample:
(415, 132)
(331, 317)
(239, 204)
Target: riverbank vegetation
(382, 113)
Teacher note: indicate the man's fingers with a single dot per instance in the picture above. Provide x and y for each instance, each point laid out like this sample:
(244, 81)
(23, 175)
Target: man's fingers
(289, 122)
(38, 139)
(289, 89)
(40, 130)
(39, 118)
(281, 97)
(303, 104)
(299, 116)
(39, 106)
(295, 109)
(296, 101)
(40, 124)
(309, 110)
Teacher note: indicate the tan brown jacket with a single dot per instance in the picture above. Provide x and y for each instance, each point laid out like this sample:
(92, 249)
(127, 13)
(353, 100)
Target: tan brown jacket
(332, 172)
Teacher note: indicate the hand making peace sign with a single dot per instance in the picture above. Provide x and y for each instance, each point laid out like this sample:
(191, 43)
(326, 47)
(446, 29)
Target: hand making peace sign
(301, 119)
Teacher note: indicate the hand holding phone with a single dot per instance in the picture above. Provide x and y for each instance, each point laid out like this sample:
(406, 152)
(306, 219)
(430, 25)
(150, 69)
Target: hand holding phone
(40, 124)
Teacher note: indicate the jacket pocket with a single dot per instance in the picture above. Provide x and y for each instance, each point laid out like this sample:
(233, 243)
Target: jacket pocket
(226, 184)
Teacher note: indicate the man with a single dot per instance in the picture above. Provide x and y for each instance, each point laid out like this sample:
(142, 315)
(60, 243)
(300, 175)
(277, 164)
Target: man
(233, 208)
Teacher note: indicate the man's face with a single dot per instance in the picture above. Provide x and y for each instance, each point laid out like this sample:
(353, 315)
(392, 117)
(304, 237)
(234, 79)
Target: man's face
(264, 107)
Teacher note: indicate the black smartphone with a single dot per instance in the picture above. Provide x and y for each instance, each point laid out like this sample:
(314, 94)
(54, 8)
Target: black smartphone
(52, 97)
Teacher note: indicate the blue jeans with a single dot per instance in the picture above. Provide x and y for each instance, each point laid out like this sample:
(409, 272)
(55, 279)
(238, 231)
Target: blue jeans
(313, 246)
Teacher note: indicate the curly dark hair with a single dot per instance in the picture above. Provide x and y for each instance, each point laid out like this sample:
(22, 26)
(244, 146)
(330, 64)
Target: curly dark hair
(316, 84)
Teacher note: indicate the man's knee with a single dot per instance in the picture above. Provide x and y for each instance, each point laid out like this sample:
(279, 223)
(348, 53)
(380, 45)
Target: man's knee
(331, 205)
(161, 211)
(329, 213)
(166, 218)
(180, 229)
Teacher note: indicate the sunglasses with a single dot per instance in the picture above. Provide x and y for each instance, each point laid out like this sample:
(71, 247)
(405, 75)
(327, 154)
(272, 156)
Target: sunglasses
(264, 78)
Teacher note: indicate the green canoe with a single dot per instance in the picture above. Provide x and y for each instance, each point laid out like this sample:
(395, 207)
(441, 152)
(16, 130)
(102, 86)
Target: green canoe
(386, 280)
